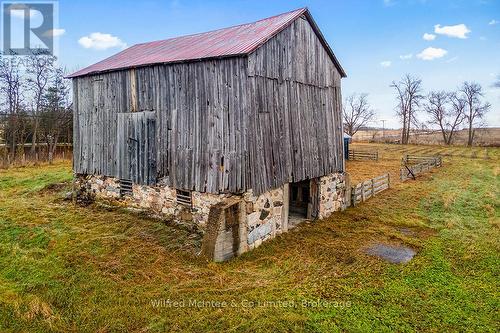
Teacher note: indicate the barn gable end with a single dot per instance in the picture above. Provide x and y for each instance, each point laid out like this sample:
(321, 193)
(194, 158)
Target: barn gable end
(295, 128)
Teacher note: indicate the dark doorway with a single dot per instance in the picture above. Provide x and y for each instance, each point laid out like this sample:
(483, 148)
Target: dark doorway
(300, 198)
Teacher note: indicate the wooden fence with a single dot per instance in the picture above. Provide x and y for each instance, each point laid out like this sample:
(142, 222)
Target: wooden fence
(363, 155)
(412, 165)
(367, 189)
(436, 160)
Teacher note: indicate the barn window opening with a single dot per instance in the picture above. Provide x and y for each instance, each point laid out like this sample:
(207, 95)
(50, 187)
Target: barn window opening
(125, 187)
(184, 197)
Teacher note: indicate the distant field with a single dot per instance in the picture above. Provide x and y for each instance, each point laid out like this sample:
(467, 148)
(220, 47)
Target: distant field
(483, 137)
(65, 268)
(390, 157)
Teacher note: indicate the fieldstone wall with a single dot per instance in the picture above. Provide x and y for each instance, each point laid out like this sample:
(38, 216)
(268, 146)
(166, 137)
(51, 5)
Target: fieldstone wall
(163, 200)
(159, 199)
(333, 194)
(262, 217)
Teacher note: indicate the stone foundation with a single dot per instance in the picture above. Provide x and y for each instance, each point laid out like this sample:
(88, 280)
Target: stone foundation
(333, 194)
(259, 218)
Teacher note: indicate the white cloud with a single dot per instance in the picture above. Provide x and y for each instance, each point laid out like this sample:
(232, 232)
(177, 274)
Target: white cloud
(100, 41)
(432, 53)
(457, 31)
(493, 22)
(427, 36)
(406, 56)
(54, 33)
(386, 63)
(389, 3)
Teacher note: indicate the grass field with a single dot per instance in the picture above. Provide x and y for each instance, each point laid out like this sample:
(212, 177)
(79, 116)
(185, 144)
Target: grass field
(65, 268)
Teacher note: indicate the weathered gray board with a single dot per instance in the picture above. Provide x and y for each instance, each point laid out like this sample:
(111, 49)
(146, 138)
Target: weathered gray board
(223, 125)
(136, 143)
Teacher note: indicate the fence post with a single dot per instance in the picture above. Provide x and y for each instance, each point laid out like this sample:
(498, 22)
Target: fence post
(388, 180)
(373, 188)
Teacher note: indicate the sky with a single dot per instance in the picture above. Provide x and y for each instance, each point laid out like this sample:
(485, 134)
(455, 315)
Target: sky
(443, 42)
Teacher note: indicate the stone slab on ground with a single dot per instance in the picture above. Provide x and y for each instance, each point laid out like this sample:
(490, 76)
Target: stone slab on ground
(391, 253)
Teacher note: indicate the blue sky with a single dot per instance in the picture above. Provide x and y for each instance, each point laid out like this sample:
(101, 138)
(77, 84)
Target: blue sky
(368, 37)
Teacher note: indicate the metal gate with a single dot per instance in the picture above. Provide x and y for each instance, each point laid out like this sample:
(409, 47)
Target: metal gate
(136, 153)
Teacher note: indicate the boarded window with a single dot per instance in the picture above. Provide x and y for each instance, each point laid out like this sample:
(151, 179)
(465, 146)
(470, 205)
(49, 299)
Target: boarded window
(125, 187)
(184, 197)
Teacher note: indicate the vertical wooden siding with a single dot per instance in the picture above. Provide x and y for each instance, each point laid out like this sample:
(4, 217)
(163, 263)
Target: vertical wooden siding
(223, 125)
(200, 122)
(295, 121)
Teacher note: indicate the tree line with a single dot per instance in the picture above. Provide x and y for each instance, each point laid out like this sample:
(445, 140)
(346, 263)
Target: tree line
(35, 105)
(449, 111)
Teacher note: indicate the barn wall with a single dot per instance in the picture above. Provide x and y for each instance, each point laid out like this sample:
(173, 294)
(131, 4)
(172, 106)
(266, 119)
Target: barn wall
(225, 125)
(97, 101)
(199, 122)
(295, 120)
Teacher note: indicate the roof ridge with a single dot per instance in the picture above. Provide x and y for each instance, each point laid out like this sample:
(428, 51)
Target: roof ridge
(301, 10)
(236, 40)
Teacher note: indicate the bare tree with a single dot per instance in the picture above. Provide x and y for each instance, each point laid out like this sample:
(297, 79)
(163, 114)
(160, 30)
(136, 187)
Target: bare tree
(357, 113)
(40, 69)
(456, 114)
(475, 109)
(55, 115)
(496, 84)
(436, 108)
(409, 97)
(11, 91)
(445, 110)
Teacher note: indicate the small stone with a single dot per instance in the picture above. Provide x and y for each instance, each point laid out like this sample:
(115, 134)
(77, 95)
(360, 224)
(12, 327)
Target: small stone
(252, 219)
(278, 203)
(249, 207)
(263, 214)
(267, 204)
(185, 215)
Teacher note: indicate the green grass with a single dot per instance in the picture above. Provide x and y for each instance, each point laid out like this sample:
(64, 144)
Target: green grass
(65, 268)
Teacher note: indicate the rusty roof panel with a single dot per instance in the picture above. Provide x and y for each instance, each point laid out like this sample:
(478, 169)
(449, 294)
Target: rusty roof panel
(241, 39)
(232, 41)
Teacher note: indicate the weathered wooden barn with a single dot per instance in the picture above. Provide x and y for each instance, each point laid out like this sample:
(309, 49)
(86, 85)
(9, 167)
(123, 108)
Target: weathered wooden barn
(235, 129)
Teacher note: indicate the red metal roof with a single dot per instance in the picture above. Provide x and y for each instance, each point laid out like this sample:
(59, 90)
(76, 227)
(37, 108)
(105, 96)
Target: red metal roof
(237, 40)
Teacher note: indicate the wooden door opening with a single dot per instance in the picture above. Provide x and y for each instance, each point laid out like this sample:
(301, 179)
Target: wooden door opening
(299, 199)
(136, 140)
(303, 201)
